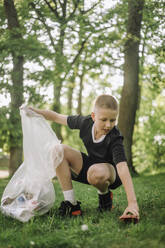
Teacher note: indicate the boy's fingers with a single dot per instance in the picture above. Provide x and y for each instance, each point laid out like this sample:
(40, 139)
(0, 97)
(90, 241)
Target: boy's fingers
(133, 211)
(136, 212)
(130, 213)
(128, 216)
(28, 110)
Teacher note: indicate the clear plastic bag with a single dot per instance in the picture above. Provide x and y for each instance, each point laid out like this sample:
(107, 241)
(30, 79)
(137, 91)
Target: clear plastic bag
(30, 191)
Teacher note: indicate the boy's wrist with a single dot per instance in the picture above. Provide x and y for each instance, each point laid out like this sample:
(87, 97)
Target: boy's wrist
(133, 204)
(132, 201)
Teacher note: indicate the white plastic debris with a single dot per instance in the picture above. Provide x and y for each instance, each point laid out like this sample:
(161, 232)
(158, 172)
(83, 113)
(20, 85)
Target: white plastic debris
(84, 227)
(30, 191)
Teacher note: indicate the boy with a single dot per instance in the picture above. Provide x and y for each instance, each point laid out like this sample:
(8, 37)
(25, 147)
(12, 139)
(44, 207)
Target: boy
(104, 167)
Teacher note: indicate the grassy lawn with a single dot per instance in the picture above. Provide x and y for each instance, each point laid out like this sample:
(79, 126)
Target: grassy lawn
(104, 230)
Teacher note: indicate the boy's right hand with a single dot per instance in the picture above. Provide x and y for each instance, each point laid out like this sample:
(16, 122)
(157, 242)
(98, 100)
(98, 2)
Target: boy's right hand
(28, 110)
(131, 213)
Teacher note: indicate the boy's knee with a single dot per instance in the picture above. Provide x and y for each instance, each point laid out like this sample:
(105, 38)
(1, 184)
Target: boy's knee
(68, 152)
(65, 150)
(55, 154)
(96, 175)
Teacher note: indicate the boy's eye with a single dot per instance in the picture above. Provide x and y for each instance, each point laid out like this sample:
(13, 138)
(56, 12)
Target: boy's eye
(112, 120)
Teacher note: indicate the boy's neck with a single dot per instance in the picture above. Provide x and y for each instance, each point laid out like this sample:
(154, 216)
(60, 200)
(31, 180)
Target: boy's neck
(97, 135)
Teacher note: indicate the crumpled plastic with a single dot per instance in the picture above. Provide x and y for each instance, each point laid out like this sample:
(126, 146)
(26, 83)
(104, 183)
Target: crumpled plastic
(30, 191)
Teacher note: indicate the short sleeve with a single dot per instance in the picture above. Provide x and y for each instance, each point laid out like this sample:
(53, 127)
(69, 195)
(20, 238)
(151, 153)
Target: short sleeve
(117, 149)
(75, 121)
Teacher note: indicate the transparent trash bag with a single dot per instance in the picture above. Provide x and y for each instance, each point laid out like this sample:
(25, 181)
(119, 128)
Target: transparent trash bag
(30, 191)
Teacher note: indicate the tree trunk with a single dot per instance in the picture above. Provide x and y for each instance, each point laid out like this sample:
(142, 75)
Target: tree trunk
(57, 107)
(70, 89)
(79, 107)
(15, 159)
(129, 97)
(58, 81)
(16, 91)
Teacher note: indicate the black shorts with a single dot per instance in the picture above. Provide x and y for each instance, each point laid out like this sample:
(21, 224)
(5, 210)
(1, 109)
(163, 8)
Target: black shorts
(87, 162)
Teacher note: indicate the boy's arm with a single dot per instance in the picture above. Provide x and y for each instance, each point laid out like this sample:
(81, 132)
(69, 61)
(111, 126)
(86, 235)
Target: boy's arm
(51, 115)
(126, 179)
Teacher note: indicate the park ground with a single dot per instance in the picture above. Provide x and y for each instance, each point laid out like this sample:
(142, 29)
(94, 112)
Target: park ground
(102, 230)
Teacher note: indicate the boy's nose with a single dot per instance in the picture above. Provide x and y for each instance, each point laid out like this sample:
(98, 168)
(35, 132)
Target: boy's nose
(108, 124)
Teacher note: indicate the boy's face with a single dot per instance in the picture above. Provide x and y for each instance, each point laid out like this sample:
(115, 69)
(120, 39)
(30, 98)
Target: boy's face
(104, 119)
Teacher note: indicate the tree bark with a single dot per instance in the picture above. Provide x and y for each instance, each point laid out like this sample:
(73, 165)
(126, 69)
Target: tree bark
(59, 61)
(71, 86)
(129, 97)
(16, 91)
(57, 107)
(79, 107)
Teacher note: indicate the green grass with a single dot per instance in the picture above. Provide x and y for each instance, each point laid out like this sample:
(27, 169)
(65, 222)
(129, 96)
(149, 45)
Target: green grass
(104, 230)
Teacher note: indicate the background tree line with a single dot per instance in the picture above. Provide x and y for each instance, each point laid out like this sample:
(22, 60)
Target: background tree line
(60, 54)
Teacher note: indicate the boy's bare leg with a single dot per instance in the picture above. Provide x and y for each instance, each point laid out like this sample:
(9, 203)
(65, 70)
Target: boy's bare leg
(72, 160)
(64, 175)
(101, 176)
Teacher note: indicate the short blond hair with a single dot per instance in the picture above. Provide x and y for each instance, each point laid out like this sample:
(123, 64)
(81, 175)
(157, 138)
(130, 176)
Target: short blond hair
(106, 101)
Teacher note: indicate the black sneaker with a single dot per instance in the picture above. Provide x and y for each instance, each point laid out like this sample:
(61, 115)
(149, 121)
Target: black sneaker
(68, 209)
(105, 202)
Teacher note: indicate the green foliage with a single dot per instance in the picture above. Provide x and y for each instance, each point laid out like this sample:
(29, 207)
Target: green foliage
(4, 123)
(71, 138)
(149, 138)
(10, 133)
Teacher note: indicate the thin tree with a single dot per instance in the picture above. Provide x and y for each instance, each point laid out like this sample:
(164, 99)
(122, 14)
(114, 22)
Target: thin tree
(16, 91)
(129, 97)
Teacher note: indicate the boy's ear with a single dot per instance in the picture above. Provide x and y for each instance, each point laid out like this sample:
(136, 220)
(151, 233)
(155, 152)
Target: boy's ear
(93, 116)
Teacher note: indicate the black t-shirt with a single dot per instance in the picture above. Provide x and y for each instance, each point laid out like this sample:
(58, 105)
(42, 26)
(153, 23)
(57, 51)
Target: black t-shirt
(110, 150)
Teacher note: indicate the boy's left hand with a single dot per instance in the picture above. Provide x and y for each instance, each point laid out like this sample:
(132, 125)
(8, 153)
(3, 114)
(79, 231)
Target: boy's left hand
(132, 211)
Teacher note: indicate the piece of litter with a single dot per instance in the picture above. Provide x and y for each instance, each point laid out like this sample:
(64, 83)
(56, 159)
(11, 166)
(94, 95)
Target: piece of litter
(84, 227)
(32, 242)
